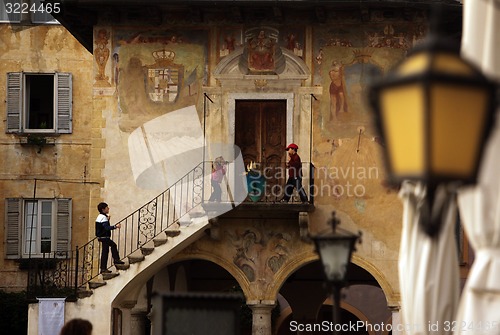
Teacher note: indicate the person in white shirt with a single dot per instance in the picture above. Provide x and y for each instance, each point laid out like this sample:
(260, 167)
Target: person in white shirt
(103, 232)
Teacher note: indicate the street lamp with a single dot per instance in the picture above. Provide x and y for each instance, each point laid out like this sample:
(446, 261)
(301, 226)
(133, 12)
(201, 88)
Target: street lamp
(335, 251)
(434, 113)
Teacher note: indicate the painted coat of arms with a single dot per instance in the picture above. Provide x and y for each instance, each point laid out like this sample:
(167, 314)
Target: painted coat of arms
(164, 77)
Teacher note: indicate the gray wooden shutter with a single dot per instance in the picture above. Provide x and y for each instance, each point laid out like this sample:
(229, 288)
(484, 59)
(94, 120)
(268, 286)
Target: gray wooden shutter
(64, 103)
(13, 228)
(14, 101)
(63, 229)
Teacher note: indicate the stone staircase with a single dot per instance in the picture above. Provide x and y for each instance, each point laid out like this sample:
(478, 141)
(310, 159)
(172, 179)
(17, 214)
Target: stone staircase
(173, 239)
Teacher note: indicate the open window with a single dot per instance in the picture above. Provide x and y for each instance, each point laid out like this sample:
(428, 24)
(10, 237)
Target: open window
(8, 13)
(17, 11)
(39, 103)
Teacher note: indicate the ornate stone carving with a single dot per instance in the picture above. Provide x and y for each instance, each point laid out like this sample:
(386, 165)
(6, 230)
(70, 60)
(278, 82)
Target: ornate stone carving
(259, 251)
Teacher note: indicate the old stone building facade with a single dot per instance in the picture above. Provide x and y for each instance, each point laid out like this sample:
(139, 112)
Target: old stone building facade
(47, 123)
(158, 91)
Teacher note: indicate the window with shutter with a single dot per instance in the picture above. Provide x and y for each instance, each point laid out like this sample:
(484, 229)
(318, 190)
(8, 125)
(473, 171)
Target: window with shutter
(39, 103)
(63, 103)
(63, 229)
(37, 227)
(14, 102)
(13, 228)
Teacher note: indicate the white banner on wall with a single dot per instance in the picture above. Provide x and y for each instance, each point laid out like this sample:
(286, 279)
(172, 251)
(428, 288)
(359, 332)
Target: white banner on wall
(50, 315)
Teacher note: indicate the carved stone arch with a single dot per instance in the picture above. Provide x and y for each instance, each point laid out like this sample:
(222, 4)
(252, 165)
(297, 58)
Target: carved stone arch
(351, 309)
(390, 294)
(228, 70)
(234, 271)
(310, 256)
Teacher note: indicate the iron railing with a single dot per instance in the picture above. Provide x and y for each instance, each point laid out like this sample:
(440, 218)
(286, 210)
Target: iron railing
(62, 274)
(266, 182)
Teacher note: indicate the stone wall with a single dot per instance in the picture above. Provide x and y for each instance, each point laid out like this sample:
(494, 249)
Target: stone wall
(60, 169)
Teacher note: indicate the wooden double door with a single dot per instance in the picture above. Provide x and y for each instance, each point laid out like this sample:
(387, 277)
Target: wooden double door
(260, 133)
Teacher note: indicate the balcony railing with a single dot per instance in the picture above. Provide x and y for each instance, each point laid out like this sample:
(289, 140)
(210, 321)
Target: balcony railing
(61, 275)
(265, 183)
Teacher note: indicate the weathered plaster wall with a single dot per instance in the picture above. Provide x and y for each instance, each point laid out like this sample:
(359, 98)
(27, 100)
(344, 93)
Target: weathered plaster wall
(62, 169)
(346, 152)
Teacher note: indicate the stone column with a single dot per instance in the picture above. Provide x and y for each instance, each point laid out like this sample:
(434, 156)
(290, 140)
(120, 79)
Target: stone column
(133, 318)
(397, 326)
(137, 322)
(261, 317)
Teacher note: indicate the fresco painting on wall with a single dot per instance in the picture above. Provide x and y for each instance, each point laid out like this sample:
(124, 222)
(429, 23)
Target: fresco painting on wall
(291, 38)
(230, 38)
(157, 72)
(345, 61)
(101, 55)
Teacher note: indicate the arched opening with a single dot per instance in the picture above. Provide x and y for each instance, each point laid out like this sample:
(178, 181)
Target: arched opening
(201, 276)
(308, 306)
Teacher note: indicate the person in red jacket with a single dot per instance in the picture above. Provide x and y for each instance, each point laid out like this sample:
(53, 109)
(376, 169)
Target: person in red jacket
(294, 166)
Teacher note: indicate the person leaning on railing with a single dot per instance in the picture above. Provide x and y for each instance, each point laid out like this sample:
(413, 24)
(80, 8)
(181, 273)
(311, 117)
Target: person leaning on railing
(103, 232)
(294, 166)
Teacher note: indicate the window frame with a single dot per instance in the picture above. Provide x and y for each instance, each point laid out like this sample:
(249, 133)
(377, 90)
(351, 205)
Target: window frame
(37, 3)
(16, 228)
(28, 15)
(4, 17)
(38, 239)
(26, 101)
(17, 103)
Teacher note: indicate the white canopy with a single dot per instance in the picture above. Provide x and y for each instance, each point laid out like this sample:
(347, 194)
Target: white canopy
(428, 267)
(479, 311)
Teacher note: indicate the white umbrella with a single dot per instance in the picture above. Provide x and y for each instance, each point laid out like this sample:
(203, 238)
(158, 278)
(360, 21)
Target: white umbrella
(479, 310)
(428, 267)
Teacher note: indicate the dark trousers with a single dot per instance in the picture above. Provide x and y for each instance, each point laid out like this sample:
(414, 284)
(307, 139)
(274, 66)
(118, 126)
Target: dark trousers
(106, 244)
(216, 193)
(297, 183)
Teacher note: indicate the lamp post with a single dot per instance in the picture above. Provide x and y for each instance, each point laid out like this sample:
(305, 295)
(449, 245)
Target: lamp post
(434, 113)
(335, 251)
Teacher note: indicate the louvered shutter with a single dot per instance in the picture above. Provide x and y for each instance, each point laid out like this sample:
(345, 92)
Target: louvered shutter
(64, 103)
(14, 101)
(13, 228)
(63, 228)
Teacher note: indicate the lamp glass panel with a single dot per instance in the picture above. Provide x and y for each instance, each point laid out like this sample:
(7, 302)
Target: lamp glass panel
(402, 112)
(457, 120)
(451, 64)
(414, 64)
(335, 254)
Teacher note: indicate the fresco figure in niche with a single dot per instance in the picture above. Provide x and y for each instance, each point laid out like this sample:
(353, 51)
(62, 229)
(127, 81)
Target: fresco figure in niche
(230, 42)
(338, 98)
(101, 55)
(228, 45)
(261, 52)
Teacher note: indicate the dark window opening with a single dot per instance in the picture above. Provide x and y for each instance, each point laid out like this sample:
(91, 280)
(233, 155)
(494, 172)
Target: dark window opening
(40, 102)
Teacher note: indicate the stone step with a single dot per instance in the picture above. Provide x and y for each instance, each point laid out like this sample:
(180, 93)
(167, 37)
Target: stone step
(160, 240)
(136, 257)
(96, 284)
(172, 232)
(122, 266)
(147, 249)
(84, 293)
(108, 276)
(197, 214)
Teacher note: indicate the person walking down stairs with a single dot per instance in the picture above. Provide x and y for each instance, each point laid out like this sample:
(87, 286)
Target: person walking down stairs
(103, 233)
